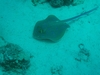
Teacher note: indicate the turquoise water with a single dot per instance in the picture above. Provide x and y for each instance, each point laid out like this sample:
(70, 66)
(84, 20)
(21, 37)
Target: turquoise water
(76, 53)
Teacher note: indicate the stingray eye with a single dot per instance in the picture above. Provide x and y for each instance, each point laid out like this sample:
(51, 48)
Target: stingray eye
(41, 31)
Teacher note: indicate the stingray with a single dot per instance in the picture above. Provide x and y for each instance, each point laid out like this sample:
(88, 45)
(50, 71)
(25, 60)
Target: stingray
(52, 28)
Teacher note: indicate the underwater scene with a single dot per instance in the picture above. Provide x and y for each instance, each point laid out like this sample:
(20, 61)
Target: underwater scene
(49, 37)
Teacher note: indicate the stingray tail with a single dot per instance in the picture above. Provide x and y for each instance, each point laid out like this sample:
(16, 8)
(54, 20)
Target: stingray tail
(82, 14)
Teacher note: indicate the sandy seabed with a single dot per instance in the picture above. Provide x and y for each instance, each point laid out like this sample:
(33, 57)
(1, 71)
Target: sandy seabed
(66, 57)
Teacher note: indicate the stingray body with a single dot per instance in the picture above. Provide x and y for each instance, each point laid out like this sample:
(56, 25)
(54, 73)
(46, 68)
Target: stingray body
(52, 28)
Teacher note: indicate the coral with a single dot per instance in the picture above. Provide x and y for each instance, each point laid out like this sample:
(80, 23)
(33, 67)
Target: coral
(59, 3)
(76, 2)
(83, 54)
(56, 3)
(68, 2)
(14, 59)
(35, 2)
(56, 70)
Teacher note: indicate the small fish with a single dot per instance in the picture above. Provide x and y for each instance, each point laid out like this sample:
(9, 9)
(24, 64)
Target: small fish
(52, 28)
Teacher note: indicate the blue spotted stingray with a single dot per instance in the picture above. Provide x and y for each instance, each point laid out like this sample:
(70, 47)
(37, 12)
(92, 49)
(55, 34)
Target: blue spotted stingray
(52, 28)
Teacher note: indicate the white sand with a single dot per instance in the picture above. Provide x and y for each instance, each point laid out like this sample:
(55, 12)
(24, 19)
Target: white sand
(17, 21)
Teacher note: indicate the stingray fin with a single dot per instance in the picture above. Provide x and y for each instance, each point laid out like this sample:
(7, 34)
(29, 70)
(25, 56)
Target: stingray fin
(51, 18)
